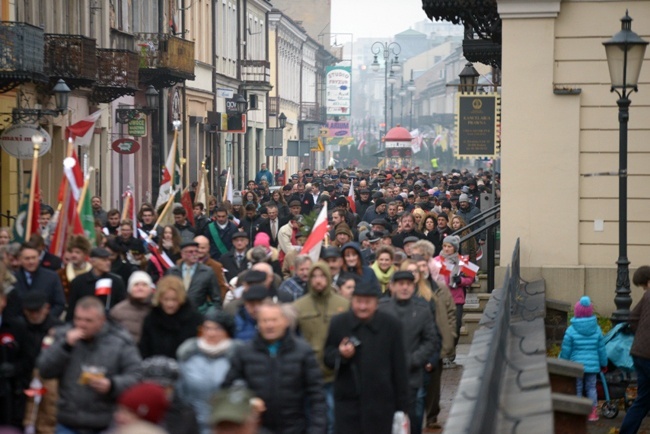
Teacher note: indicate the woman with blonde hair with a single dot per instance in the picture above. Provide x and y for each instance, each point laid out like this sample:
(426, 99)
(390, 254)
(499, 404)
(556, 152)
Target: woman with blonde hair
(468, 247)
(172, 320)
(419, 215)
(5, 236)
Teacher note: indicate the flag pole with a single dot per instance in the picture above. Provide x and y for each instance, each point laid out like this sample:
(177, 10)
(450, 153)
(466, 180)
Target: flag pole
(225, 190)
(125, 207)
(37, 140)
(163, 213)
(84, 190)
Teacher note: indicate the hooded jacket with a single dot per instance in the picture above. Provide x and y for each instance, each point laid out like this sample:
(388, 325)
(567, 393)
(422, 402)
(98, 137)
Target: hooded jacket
(584, 343)
(315, 311)
(368, 277)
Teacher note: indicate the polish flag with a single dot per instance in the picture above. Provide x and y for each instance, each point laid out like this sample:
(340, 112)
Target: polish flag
(468, 269)
(353, 205)
(315, 240)
(362, 144)
(82, 131)
(103, 287)
(73, 173)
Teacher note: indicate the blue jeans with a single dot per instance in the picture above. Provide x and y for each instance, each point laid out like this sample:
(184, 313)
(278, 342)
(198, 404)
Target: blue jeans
(328, 390)
(586, 386)
(641, 405)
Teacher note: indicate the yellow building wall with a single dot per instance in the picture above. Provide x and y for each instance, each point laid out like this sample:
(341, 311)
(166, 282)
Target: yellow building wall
(550, 141)
(8, 166)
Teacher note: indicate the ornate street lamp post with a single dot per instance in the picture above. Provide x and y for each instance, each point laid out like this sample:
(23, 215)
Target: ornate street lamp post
(386, 50)
(625, 53)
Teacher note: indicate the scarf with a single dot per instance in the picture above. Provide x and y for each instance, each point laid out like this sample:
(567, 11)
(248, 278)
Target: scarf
(213, 350)
(452, 263)
(71, 272)
(383, 277)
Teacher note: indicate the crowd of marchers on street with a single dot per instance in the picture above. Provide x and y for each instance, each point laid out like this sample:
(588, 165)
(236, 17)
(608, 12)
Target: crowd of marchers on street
(234, 318)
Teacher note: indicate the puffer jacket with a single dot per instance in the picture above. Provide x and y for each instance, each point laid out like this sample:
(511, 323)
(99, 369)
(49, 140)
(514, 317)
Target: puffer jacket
(315, 311)
(584, 343)
(286, 382)
(130, 314)
(113, 350)
(201, 376)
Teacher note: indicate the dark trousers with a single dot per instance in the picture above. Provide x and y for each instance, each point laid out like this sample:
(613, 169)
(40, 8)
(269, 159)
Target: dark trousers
(432, 383)
(416, 425)
(641, 404)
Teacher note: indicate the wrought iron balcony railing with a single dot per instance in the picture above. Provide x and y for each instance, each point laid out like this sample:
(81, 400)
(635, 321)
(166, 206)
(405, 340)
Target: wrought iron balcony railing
(310, 111)
(164, 59)
(21, 55)
(117, 74)
(72, 58)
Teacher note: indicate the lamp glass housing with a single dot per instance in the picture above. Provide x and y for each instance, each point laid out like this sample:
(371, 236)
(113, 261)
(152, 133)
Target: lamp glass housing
(395, 65)
(151, 96)
(625, 52)
(375, 65)
(282, 120)
(61, 95)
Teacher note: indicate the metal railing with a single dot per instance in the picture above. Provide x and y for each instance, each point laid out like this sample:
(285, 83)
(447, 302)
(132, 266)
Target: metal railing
(490, 230)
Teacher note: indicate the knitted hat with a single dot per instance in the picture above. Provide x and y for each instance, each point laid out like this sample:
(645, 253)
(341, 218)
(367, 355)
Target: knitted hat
(147, 400)
(583, 308)
(454, 240)
(463, 198)
(139, 277)
(225, 321)
(262, 239)
(160, 370)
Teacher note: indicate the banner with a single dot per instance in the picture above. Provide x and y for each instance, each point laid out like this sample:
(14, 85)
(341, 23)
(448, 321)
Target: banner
(338, 80)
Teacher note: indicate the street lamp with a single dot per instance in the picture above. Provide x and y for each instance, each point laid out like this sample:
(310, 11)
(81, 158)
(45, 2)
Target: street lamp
(126, 114)
(386, 50)
(242, 104)
(31, 116)
(625, 53)
(468, 78)
(282, 120)
(411, 88)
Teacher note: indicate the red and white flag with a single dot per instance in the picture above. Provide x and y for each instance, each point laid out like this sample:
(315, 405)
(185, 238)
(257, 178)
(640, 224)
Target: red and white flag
(75, 176)
(315, 240)
(362, 144)
(82, 131)
(468, 269)
(103, 287)
(353, 205)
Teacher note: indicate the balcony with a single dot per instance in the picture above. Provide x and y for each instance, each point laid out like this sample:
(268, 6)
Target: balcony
(164, 60)
(310, 111)
(72, 58)
(21, 55)
(117, 75)
(256, 74)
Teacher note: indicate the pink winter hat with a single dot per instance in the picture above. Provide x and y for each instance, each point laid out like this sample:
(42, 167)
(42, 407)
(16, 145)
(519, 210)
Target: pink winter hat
(262, 239)
(583, 308)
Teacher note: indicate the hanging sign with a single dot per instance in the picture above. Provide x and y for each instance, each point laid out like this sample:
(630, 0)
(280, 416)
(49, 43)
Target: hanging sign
(125, 146)
(17, 141)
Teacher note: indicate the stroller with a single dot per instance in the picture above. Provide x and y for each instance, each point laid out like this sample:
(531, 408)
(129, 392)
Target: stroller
(612, 386)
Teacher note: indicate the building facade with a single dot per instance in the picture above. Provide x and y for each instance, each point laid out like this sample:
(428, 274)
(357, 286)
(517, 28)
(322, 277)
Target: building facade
(559, 131)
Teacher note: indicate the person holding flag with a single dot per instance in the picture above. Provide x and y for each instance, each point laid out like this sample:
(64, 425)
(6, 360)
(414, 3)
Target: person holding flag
(220, 233)
(98, 282)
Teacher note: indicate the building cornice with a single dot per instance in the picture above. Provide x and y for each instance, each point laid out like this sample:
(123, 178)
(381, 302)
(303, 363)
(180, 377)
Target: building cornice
(521, 9)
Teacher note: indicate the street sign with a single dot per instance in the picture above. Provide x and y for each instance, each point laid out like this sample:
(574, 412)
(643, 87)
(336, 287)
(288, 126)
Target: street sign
(317, 145)
(137, 127)
(225, 93)
(125, 146)
(298, 148)
(17, 141)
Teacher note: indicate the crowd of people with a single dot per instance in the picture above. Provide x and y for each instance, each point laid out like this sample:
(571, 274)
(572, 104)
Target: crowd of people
(227, 325)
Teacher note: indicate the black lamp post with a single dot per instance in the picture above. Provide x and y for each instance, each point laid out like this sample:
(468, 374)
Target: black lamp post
(242, 104)
(126, 114)
(282, 120)
(31, 116)
(386, 50)
(625, 53)
(468, 78)
(411, 88)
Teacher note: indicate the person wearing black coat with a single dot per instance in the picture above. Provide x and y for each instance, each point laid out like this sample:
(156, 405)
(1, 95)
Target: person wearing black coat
(98, 282)
(32, 276)
(366, 349)
(221, 228)
(169, 324)
(420, 333)
(281, 369)
(408, 230)
(235, 261)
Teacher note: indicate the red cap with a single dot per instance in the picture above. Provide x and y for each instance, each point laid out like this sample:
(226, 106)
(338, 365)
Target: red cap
(148, 401)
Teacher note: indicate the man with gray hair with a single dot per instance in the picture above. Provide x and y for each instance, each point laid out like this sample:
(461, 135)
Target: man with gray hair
(296, 286)
(94, 361)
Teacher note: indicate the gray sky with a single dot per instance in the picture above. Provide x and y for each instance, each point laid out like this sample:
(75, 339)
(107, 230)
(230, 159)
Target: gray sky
(375, 18)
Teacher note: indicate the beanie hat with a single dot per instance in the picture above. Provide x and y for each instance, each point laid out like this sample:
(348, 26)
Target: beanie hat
(463, 198)
(262, 239)
(454, 240)
(225, 321)
(146, 400)
(583, 308)
(343, 228)
(445, 204)
(139, 277)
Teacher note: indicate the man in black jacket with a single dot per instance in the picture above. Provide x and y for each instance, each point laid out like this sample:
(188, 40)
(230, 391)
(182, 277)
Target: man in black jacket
(32, 276)
(408, 230)
(98, 282)
(366, 348)
(282, 371)
(421, 337)
(235, 261)
(220, 233)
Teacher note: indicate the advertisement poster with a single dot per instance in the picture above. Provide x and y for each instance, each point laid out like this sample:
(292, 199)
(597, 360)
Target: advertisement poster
(338, 80)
